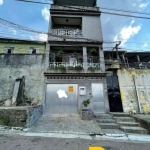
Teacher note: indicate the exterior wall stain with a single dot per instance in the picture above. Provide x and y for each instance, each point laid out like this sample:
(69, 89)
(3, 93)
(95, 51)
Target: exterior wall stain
(129, 95)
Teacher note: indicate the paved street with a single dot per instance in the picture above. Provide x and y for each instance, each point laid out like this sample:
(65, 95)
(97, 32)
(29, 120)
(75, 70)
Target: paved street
(9, 142)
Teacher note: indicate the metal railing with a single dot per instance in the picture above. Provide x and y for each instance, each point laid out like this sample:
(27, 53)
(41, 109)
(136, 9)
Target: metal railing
(57, 64)
(67, 32)
(136, 65)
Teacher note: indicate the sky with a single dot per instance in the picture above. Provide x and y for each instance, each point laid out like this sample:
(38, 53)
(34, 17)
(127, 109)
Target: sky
(134, 33)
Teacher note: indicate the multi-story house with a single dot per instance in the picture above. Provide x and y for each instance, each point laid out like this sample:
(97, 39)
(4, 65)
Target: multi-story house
(75, 67)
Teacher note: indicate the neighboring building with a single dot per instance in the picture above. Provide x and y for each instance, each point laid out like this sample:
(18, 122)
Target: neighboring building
(21, 60)
(128, 81)
(75, 69)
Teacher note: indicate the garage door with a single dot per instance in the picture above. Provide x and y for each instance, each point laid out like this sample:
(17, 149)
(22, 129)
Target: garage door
(61, 99)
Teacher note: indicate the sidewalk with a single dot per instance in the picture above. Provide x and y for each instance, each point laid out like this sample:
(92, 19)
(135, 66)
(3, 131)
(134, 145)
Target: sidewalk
(73, 127)
(120, 137)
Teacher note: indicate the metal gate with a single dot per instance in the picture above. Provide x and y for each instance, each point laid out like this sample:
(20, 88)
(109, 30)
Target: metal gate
(98, 98)
(61, 99)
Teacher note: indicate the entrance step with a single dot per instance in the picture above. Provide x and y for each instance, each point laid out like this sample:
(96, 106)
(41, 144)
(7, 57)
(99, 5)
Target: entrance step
(137, 130)
(129, 124)
(112, 132)
(124, 119)
(105, 120)
(120, 114)
(109, 125)
(103, 116)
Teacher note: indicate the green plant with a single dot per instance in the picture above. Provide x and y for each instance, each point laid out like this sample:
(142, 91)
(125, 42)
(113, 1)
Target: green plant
(78, 68)
(70, 68)
(60, 53)
(62, 68)
(53, 68)
(86, 102)
(93, 50)
(92, 69)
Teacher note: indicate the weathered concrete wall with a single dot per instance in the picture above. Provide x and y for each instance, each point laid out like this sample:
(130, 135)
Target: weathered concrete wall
(22, 48)
(128, 89)
(16, 66)
(34, 113)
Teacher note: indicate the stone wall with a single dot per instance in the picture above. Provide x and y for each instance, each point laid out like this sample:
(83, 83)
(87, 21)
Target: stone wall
(135, 88)
(20, 116)
(14, 66)
(13, 116)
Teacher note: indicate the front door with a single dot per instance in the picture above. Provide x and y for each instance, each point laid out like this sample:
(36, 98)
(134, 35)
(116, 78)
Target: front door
(98, 98)
(61, 99)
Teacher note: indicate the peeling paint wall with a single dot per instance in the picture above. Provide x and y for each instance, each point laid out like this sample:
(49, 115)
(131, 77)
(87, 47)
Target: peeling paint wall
(134, 91)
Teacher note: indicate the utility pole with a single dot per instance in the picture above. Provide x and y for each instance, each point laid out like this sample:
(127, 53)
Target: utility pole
(117, 49)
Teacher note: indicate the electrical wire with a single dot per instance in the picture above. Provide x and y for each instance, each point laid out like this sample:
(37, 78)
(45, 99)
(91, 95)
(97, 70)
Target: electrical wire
(114, 9)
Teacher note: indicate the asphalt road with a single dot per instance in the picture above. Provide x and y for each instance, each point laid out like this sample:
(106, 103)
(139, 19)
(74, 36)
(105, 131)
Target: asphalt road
(10, 142)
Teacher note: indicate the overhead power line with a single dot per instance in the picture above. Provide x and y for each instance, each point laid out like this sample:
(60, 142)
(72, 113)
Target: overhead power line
(125, 15)
(28, 1)
(114, 9)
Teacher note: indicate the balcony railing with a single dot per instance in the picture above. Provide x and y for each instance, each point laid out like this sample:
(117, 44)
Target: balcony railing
(136, 65)
(57, 64)
(66, 32)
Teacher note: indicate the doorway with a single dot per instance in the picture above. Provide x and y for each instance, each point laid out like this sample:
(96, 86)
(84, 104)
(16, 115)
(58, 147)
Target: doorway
(115, 103)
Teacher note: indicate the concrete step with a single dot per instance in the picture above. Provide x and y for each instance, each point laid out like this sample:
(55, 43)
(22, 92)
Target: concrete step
(106, 120)
(129, 124)
(120, 114)
(124, 119)
(109, 125)
(113, 132)
(136, 130)
(104, 116)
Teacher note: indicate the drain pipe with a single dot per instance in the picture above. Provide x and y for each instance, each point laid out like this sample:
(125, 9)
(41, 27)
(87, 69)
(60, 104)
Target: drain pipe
(137, 94)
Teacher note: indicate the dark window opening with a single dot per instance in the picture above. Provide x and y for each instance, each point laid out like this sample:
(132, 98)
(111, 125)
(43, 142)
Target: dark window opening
(34, 51)
(9, 51)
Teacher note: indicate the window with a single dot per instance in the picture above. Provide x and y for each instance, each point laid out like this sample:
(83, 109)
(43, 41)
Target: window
(8, 50)
(33, 50)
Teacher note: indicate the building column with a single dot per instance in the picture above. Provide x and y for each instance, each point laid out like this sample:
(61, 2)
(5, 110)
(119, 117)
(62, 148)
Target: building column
(47, 52)
(101, 58)
(85, 58)
(138, 58)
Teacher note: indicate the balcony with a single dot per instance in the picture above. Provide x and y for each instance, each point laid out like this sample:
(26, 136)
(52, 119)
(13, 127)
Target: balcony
(66, 32)
(112, 64)
(62, 67)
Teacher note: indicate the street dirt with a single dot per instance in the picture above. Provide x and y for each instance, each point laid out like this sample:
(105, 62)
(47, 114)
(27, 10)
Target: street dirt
(16, 142)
